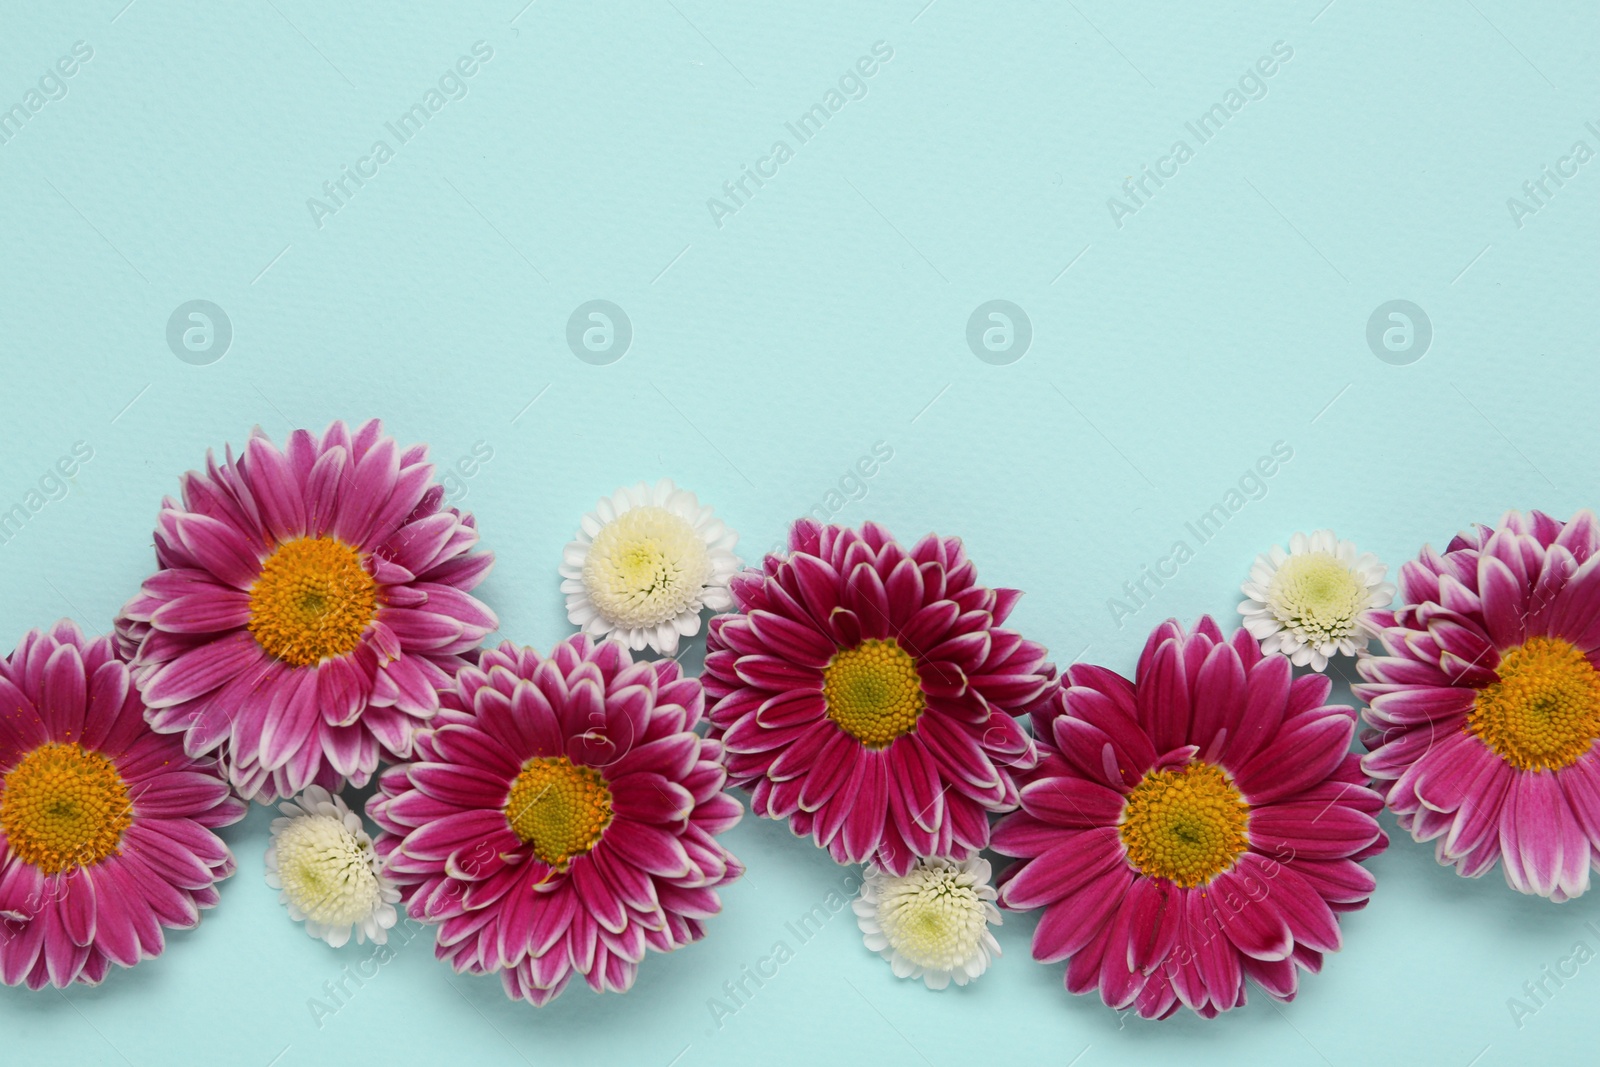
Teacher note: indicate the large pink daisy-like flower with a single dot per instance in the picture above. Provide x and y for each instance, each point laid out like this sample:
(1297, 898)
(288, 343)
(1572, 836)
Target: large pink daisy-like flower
(105, 825)
(1486, 708)
(1197, 826)
(865, 692)
(309, 605)
(561, 818)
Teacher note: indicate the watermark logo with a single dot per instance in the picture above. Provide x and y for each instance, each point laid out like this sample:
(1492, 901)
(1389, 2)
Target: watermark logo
(52, 86)
(999, 332)
(455, 476)
(1252, 484)
(853, 485)
(738, 992)
(337, 994)
(1538, 192)
(451, 85)
(1537, 992)
(1139, 189)
(599, 332)
(53, 485)
(739, 191)
(1399, 332)
(199, 332)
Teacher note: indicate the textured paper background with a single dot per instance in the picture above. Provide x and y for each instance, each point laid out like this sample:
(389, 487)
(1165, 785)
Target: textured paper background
(826, 315)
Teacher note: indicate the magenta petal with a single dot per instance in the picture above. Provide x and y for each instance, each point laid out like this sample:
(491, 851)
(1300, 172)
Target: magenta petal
(797, 642)
(1504, 602)
(21, 727)
(1266, 696)
(1313, 830)
(1165, 707)
(1536, 830)
(78, 906)
(597, 897)
(1301, 755)
(116, 928)
(647, 847)
(768, 672)
(65, 691)
(1134, 750)
(1072, 802)
(1215, 955)
(1078, 859)
(202, 670)
(220, 549)
(63, 959)
(179, 794)
(1310, 921)
(1070, 922)
(1155, 910)
(22, 951)
(1257, 931)
(864, 824)
(1219, 690)
(291, 719)
(463, 785)
(213, 609)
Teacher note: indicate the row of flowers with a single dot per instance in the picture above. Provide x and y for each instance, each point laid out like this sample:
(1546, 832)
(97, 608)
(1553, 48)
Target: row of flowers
(311, 624)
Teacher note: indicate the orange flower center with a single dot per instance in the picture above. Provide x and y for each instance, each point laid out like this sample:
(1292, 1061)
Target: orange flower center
(1186, 825)
(312, 602)
(559, 808)
(1544, 712)
(64, 806)
(873, 692)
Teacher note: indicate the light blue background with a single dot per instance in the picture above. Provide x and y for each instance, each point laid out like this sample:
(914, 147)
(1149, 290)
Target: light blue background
(769, 354)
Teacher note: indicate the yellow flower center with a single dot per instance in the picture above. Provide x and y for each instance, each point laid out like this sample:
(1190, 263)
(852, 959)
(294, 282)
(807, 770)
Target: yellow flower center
(933, 916)
(1544, 712)
(326, 870)
(646, 567)
(64, 806)
(558, 808)
(1317, 596)
(873, 691)
(312, 602)
(1186, 825)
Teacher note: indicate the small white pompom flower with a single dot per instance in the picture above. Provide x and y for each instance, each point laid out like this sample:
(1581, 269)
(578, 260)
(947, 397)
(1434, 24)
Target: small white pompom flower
(322, 860)
(932, 923)
(1310, 602)
(646, 562)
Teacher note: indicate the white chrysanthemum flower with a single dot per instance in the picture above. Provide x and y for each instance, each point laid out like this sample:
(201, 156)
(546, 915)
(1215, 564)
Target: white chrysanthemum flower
(322, 860)
(1309, 603)
(644, 565)
(933, 923)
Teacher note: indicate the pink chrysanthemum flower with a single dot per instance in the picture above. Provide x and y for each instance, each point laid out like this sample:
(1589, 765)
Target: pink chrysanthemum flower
(105, 825)
(1486, 706)
(865, 693)
(309, 605)
(561, 818)
(1192, 828)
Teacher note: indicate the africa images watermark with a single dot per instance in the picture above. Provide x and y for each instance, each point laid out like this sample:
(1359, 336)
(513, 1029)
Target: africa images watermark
(455, 476)
(451, 85)
(53, 485)
(1537, 192)
(1251, 485)
(1252, 85)
(51, 86)
(1564, 971)
(852, 85)
(853, 485)
(337, 994)
(739, 992)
